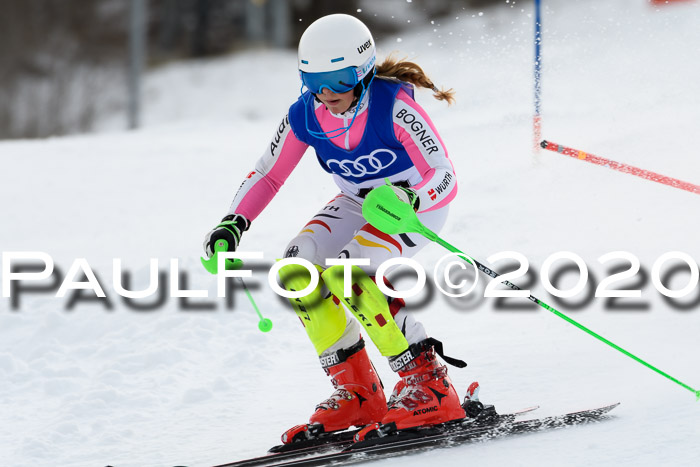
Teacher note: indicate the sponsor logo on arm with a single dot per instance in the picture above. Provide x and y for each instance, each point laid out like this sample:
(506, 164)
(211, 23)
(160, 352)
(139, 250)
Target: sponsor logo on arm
(420, 131)
(274, 144)
(441, 187)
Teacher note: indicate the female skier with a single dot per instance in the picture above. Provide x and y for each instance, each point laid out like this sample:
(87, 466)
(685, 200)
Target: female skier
(365, 127)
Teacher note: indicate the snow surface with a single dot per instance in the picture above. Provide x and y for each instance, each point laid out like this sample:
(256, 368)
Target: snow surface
(94, 385)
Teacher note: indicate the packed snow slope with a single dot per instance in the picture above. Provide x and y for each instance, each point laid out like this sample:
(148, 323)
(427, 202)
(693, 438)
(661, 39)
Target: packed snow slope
(86, 382)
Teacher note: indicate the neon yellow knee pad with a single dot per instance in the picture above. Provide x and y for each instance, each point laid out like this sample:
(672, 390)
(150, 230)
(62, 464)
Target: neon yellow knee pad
(322, 318)
(370, 307)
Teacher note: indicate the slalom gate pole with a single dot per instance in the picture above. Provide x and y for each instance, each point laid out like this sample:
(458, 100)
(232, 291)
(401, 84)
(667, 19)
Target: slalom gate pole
(536, 119)
(212, 265)
(386, 212)
(620, 167)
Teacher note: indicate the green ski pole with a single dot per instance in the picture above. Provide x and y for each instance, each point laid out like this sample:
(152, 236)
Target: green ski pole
(212, 265)
(386, 212)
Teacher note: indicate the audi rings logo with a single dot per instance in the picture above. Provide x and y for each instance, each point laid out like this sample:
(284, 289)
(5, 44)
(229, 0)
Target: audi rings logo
(370, 164)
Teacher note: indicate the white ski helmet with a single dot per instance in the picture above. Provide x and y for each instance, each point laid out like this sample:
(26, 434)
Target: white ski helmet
(334, 43)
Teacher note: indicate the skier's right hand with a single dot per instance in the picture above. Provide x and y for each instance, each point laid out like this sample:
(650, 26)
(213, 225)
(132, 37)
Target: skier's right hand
(230, 229)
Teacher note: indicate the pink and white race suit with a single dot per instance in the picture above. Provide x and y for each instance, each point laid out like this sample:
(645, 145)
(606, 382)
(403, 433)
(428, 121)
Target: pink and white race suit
(339, 229)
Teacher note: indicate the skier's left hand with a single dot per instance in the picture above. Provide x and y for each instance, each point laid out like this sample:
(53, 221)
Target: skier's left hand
(230, 229)
(408, 196)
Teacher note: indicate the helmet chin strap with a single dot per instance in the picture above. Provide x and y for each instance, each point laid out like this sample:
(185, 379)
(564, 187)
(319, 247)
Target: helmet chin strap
(342, 130)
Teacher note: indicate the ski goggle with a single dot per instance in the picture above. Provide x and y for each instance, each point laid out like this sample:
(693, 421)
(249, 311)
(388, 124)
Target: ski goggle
(338, 81)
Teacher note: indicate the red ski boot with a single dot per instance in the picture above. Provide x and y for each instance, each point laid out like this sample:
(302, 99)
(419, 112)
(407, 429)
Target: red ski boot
(424, 395)
(358, 398)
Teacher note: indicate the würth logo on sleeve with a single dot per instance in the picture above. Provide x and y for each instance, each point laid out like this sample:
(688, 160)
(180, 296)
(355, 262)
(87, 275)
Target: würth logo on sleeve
(442, 187)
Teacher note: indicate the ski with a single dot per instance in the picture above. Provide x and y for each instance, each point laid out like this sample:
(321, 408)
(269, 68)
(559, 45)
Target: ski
(423, 438)
(335, 442)
(407, 441)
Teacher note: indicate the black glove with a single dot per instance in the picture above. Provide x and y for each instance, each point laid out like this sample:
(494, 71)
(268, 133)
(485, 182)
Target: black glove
(408, 196)
(230, 229)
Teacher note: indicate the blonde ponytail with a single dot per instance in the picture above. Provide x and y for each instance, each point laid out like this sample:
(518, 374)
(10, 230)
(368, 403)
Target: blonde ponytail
(412, 73)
